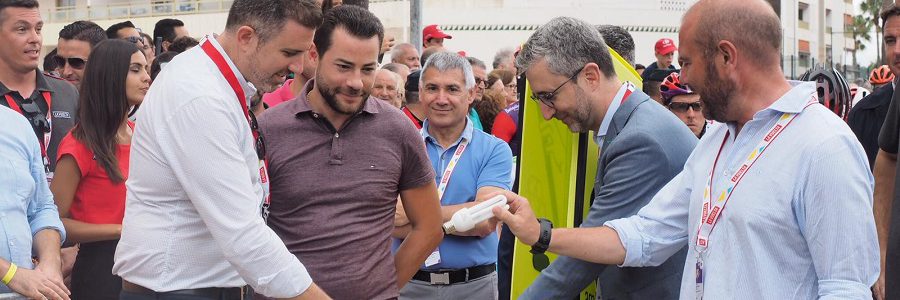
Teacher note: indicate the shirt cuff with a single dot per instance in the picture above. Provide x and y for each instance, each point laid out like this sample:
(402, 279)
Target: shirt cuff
(843, 289)
(290, 282)
(631, 240)
(38, 225)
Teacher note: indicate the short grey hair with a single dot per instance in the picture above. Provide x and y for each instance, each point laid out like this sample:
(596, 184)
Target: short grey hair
(618, 39)
(567, 44)
(476, 62)
(398, 50)
(446, 61)
(502, 56)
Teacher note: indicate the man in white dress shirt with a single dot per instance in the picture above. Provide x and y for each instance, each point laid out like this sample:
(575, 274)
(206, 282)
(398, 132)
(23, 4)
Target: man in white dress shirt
(798, 222)
(194, 225)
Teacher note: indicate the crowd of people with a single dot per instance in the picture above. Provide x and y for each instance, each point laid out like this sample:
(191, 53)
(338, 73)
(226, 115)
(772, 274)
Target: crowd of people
(302, 153)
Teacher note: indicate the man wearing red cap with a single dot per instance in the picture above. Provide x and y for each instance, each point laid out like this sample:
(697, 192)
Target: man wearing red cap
(665, 53)
(432, 35)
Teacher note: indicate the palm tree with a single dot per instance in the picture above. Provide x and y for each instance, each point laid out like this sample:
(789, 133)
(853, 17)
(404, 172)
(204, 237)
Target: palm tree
(861, 29)
(870, 10)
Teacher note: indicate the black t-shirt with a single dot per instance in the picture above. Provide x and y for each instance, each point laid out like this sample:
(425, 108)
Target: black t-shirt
(888, 141)
(866, 118)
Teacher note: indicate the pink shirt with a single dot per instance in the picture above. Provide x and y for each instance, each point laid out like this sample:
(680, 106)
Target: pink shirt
(280, 95)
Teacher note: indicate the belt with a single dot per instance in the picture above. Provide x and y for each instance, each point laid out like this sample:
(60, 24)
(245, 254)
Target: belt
(233, 293)
(445, 277)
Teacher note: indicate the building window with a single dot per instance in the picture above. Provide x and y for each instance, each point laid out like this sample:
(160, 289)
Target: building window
(65, 3)
(803, 60)
(802, 12)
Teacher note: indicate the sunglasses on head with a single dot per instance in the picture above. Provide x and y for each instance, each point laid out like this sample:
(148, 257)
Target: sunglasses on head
(74, 62)
(683, 107)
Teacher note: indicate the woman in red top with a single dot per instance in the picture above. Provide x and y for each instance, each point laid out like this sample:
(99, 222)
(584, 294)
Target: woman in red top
(89, 183)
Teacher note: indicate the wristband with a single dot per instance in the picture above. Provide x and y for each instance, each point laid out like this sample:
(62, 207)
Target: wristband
(10, 273)
(543, 242)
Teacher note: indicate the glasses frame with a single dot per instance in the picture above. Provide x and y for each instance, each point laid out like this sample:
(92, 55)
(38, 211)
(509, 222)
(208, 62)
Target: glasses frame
(548, 99)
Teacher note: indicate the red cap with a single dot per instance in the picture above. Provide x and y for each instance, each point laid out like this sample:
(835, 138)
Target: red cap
(433, 32)
(665, 46)
(461, 53)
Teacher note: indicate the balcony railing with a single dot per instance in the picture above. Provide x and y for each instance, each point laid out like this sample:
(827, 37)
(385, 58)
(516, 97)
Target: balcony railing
(65, 14)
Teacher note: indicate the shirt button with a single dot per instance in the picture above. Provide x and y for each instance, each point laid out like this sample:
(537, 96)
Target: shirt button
(315, 115)
(725, 173)
(337, 135)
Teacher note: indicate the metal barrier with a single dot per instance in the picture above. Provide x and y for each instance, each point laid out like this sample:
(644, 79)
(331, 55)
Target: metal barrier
(66, 14)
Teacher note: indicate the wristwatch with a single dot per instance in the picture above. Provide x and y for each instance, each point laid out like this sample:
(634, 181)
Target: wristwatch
(543, 241)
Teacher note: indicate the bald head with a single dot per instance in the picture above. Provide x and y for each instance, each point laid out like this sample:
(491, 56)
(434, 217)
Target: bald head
(709, 22)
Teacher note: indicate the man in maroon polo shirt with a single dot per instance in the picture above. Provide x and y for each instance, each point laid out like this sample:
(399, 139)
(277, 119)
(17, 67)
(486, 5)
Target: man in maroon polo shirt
(338, 159)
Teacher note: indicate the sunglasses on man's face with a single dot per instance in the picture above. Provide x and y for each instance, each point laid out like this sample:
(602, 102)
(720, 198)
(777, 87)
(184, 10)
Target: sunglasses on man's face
(74, 62)
(683, 106)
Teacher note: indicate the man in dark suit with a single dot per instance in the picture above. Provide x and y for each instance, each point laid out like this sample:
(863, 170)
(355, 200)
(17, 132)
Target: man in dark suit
(572, 76)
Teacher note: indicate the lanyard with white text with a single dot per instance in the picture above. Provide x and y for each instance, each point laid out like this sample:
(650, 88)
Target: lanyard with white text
(445, 178)
(47, 131)
(226, 71)
(712, 212)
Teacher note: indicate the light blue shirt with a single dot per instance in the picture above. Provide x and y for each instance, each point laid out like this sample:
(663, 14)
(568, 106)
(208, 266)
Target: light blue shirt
(26, 204)
(485, 162)
(798, 226)
(610, 112)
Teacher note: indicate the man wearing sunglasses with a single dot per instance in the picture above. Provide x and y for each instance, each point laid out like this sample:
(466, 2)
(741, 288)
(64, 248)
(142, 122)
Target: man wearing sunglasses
(75, 43)
(573, 80)
(684, 103)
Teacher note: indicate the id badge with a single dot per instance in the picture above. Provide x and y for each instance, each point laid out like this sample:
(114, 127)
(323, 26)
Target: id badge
(433, 259)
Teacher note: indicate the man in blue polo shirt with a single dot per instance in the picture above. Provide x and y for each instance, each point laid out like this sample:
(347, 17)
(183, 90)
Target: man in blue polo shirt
(464, 265)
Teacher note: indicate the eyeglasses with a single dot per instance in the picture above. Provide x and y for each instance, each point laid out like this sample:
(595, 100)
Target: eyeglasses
(479, 81)
(75, 62)
(260, 143)
(547, 98)
(135, 39)
(683, 106)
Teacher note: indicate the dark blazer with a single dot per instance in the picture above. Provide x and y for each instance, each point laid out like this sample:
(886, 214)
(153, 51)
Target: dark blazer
(645, 147)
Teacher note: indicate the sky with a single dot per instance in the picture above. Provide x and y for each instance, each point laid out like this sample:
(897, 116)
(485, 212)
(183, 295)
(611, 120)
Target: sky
(866, 57)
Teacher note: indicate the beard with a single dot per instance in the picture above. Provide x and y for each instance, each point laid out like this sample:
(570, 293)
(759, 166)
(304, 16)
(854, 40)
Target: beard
(330, 95)
(582, 116)
(715, 95)
(264, 83)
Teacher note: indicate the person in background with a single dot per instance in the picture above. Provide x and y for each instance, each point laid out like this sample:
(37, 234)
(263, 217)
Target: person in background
(489, 108)
(505, 80)
(665, 56)
(400, 69)
(74, 47)
(168, 30)
(407, 54)
(50, 67)
(160, 62)
(387, 87)
(89, 187)
(433, 36)
(504, 60)
(148, 48)
(182, 44)
(639, 68)
(684, 103)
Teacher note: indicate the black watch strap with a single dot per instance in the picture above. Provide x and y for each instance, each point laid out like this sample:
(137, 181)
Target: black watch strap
(543, 241)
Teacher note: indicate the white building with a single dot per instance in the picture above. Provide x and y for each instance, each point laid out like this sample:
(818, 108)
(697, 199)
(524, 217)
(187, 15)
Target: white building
(813, 29)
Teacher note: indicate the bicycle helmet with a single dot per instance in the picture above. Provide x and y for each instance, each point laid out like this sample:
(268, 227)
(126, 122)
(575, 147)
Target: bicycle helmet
(831, 88)
(881, 75)
(671, 87)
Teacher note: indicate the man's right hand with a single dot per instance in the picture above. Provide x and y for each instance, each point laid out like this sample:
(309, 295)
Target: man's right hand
(38, 285)
(313, 292)
(520, 218)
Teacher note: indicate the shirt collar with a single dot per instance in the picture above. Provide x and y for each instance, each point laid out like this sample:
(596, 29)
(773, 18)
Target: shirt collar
(41, 85)
(466, 134)
(610, 112)
(300, 103)
(795, 100)
(249, 89)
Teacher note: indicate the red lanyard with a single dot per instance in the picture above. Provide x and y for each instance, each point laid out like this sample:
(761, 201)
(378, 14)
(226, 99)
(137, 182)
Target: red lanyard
(229, 75)
(712, 209)
(45, 142)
